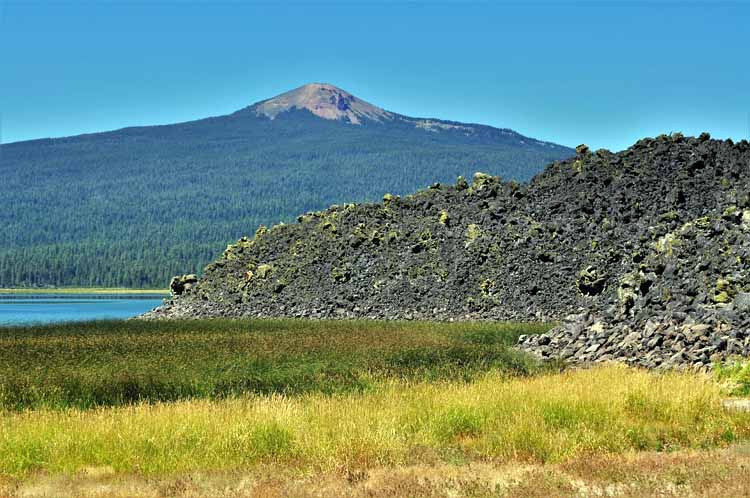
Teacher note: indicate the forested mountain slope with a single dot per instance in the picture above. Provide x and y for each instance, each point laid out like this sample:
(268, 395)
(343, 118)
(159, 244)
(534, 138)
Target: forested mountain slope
(135, 206)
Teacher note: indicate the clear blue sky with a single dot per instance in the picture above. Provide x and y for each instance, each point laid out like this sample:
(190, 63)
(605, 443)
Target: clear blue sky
(603, 73)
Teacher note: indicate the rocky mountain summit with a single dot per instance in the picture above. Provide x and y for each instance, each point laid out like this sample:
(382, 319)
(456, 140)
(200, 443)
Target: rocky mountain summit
(643, 255)
(325, 101)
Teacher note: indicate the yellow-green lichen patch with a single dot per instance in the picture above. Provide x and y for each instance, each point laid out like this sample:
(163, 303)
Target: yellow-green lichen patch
(358, 236)
(341, 274)
(461, 183)
(669, 216)
(745, 223)
(590, 281)
(264, 271)
(702, 222)
(327, 226)
(724, 291)
(473, 232)
(389, 198)
(486, 287)
(666, 244)
(444, 218)
(482, 181)
(626, 291)
(730, 210)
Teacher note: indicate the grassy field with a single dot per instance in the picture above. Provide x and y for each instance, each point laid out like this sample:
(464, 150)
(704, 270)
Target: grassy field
(87, 290)
(121, 362)
(550, 418)
(348, 408)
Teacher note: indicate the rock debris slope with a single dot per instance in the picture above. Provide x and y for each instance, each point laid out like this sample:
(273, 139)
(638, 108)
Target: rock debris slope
(644, 255)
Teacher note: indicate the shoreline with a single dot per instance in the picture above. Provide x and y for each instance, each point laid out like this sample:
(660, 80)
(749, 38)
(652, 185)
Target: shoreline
(86, 290)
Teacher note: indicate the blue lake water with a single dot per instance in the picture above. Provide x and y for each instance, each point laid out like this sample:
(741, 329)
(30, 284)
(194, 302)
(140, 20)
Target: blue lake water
(26, 309)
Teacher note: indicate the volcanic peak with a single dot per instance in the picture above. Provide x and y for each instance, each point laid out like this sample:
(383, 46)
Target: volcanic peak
(325, 101)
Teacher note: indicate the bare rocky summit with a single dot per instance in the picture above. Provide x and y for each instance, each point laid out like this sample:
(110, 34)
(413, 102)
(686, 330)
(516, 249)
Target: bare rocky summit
(643, 255)
(325, 101)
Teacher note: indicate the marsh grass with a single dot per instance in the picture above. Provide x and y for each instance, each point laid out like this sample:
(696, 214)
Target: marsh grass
(113, 363)
(734, 373)
(495, 418)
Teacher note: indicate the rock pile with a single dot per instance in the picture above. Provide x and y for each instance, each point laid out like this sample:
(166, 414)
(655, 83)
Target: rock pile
(686, 303)
(647, 250)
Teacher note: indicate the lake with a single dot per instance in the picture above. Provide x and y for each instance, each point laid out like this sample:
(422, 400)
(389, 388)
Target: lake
(26, 309)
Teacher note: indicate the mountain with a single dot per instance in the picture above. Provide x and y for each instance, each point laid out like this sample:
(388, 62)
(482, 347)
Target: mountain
(649, 247)
(134, 206)
(325, 101)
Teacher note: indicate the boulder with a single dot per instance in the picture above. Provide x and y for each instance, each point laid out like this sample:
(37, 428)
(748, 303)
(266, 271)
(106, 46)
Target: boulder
(182, 284)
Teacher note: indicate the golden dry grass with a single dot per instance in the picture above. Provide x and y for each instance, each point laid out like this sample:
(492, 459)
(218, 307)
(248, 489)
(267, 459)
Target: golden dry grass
(554, 418)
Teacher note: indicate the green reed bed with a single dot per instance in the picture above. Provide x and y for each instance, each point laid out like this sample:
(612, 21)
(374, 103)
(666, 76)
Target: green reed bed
(120, 362)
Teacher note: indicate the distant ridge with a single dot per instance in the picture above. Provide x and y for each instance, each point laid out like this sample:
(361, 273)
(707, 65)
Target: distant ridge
(132, 207)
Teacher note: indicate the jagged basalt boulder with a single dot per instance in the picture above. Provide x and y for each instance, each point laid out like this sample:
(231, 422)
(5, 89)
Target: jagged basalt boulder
(646, 251)
(182, 284)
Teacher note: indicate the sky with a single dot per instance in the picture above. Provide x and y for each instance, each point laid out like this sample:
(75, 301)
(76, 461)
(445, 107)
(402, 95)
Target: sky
(602, 73)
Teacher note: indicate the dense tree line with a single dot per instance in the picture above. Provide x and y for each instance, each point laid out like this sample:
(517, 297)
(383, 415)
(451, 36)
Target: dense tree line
(136, 206)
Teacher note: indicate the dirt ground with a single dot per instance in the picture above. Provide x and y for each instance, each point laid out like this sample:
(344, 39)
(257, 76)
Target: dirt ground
(710, 474)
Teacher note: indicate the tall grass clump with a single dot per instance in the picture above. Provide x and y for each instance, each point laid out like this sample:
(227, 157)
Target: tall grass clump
(544, 418)
(735, 375)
